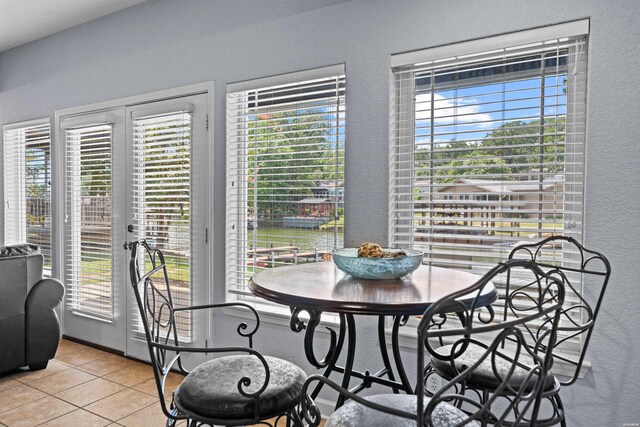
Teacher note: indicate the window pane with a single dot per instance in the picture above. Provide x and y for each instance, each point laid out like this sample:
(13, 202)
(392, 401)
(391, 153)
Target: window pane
(162, 201)
(89, 221)
(480, 154)
(285, 176)
(488, 153)
(27, 184)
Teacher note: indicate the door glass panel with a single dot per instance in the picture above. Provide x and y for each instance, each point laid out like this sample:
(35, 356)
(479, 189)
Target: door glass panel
(161, 202)
(88, 240)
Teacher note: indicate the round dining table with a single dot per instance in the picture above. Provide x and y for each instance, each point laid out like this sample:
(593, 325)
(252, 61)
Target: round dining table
(317, 287)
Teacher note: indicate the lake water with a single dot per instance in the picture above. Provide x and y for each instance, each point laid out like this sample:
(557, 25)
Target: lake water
(263, 237)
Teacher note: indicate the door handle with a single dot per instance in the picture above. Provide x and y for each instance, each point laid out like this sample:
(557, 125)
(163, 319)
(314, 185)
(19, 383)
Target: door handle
(130, 228)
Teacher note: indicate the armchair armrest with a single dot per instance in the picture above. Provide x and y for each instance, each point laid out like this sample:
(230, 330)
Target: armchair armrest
(42, 325)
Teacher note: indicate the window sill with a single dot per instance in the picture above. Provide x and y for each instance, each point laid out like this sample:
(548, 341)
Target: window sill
(90, 316)
(408, 338)
(276, 314)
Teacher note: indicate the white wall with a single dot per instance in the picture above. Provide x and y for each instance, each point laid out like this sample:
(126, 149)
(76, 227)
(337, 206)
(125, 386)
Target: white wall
(163, 44)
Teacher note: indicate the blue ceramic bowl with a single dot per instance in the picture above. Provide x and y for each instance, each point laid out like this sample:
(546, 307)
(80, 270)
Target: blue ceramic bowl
(347, 260)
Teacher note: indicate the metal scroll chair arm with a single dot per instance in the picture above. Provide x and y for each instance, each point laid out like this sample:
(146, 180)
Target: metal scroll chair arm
(242, 329)
(219, 305)
(244, 380)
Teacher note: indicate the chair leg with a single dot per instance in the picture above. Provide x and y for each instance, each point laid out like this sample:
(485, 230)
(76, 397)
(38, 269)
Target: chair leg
(485, 398)
(560, 406)
(293, 419)
(557, 415)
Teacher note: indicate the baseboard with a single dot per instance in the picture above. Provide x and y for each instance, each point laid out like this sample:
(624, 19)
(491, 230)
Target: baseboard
(93, 345)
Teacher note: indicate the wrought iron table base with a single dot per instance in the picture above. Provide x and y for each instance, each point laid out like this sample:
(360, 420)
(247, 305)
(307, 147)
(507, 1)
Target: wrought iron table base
(347, 330)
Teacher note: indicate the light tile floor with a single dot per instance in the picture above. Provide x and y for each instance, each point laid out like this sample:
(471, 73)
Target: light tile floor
(83, 386)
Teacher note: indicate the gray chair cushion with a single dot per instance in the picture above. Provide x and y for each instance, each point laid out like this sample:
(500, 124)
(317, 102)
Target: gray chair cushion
(483, 376)
(353, 414)
(211, 389)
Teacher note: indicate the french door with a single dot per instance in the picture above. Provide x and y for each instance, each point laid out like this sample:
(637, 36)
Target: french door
(134, 172)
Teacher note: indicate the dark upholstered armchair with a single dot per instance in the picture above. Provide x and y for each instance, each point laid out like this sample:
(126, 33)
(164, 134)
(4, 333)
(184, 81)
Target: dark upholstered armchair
(29, 326)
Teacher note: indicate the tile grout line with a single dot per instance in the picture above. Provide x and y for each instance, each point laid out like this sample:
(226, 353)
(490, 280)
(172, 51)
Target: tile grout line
(69, 369)
(108, 419)
(24, 404)
(139, 410)
(62, 415)
(59, 416)
(64, 389)
(35, 401)
(55, 397)
(21, 381)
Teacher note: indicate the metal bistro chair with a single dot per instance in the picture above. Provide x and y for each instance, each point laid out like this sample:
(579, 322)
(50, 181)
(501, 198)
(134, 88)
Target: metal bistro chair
(241, 387)
(520, 372)
(577, 317)
(580, 266)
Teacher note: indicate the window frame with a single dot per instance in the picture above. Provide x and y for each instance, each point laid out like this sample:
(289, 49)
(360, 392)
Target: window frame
(406, 111)
(275, 313)
(26, 125)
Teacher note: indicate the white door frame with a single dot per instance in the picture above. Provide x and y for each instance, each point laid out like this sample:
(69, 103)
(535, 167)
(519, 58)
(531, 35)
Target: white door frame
(58, 178)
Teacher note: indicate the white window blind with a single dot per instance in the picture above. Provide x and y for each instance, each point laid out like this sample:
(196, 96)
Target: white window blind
(88, 218)
(285, 174)
(487, 150)
(162, 201)
(27, 185)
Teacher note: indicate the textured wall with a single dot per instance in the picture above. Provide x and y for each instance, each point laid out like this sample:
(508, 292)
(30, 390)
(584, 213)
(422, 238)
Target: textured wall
(163, 44)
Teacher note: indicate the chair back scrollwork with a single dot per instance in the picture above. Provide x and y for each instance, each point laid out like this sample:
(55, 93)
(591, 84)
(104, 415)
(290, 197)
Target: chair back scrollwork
(477, 346)
(150, 281)
(585, 275)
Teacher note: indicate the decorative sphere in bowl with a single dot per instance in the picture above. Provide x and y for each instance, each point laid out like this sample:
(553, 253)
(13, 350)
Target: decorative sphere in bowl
(347, 260)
